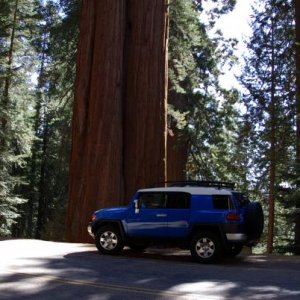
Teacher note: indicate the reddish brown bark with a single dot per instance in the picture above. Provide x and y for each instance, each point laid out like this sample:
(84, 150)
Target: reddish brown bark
(119, 122)
(145, 98)
(96, 159)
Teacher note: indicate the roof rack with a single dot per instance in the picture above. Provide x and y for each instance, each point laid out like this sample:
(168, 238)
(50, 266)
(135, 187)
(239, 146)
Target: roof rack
(217, 184)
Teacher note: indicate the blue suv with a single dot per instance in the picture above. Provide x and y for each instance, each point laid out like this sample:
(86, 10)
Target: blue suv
(209, 218)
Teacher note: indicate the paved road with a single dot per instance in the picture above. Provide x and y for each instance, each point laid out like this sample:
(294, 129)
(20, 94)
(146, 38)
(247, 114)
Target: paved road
(31, 269)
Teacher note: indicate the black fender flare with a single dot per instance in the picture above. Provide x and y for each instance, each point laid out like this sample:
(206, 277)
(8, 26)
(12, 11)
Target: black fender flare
(103, 222)
(215, 228)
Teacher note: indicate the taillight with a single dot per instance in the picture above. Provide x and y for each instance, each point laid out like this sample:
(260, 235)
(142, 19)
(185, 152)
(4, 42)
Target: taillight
(93, 217)
(233, 217)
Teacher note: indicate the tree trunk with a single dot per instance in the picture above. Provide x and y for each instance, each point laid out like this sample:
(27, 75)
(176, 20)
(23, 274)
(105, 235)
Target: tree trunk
(119, 121)
(272, 112)
(8, 76)
(42, 198)
(33, 194)
(271, 200)
(145, 108)
(96, 158)
(297, 217)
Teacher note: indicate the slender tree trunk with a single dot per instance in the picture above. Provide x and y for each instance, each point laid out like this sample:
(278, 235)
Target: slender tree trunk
(42, 198)
(8, 76)
(96, 158)
(297, 217)
(33, 193)
(145, 107)
(271, 200)
(272, 112)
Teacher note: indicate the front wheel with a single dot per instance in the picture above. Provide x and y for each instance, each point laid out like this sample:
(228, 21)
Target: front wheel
(109, 240)
(206, 247)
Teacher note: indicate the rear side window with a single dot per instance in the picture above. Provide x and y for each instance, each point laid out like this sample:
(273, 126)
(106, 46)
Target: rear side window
(221, 202)
(178, 200)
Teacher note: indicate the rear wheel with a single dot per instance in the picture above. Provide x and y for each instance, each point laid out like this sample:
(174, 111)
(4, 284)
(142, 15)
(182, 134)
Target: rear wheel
(206, 247)
(109, 240)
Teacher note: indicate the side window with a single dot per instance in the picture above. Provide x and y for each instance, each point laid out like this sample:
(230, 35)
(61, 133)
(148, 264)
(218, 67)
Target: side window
(221, 202)
(178, 200)
(152, 200)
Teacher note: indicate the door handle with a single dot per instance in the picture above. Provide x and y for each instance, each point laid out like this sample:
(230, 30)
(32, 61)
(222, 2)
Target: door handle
(161, 215)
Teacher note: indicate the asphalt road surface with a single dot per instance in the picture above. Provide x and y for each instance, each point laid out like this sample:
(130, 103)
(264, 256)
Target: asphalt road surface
(32, 269)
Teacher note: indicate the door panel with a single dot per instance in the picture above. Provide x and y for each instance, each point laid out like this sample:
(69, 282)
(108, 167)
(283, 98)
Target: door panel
(151, 220)
(148, 222)
(160, 214)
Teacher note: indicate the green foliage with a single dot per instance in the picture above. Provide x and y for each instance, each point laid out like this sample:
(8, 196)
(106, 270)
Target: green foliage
(217, 8)
(183, 37)
(54, 120)
(54, 43)
(16, 24)
(205, 113)
(269, 77)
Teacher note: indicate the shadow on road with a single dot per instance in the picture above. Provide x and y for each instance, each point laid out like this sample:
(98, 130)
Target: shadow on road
(183, 256)
(155, 274)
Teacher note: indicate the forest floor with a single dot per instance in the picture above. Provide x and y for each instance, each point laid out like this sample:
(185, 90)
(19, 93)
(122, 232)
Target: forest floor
(34, 269)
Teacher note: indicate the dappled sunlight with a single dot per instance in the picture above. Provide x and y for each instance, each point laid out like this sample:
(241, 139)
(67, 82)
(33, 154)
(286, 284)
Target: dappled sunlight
(229, 290)
(39, 270)
(29, 283)
(271, 292)
(208, 288)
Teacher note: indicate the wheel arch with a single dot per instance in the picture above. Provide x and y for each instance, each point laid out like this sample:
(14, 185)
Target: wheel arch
(116, 223)
(216, 229)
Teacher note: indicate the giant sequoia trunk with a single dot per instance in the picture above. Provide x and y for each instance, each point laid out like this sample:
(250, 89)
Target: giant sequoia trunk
(297, 220)
(119, 122)
(96, 159)
(146, 91)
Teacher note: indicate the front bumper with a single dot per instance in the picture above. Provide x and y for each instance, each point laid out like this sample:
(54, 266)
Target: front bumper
(89, 229)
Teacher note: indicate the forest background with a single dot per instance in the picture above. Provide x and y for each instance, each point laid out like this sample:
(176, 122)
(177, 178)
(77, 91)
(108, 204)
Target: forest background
(249, 136)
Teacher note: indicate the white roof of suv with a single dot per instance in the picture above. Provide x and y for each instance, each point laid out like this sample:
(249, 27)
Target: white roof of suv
(191, 190)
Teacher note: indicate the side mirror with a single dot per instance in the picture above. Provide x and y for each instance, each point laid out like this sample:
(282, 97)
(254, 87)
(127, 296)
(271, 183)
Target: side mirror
(136, 206)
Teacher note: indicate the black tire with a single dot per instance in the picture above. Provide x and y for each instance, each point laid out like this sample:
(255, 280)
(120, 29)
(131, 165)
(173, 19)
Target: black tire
(233, 251)
(254, 220)
(108, 240)
(206, 247)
